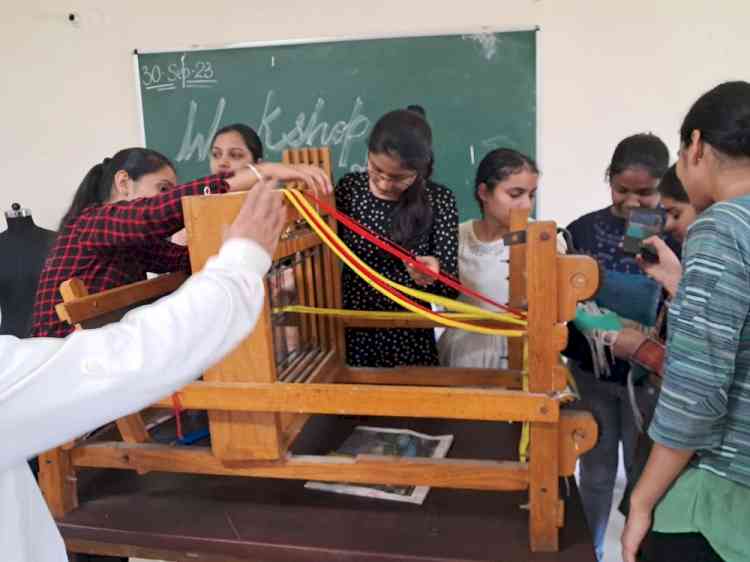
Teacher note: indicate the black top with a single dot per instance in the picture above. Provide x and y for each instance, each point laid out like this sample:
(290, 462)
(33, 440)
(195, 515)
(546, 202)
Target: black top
(23, 249)
(600, 234)
(393, 347)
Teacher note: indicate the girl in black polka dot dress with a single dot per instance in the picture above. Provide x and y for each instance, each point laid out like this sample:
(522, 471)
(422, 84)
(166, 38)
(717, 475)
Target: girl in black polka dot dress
(396, 199)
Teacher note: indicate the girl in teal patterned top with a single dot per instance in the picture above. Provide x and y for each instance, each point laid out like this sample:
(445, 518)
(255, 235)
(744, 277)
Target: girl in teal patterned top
(696, 484)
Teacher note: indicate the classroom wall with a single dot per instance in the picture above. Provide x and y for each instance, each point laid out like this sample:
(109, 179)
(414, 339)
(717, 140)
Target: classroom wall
(608, 68)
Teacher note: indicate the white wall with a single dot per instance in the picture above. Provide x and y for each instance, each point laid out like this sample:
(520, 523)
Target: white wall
(609, 68)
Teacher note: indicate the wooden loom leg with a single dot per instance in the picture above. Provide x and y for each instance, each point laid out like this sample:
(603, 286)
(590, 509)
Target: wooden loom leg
(234, 435)
(544, 491)
(544, 497)
(57, 480)
(246, 435)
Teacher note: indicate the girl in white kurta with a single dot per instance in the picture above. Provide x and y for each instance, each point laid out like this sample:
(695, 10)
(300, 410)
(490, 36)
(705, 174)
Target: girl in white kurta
(506, 180)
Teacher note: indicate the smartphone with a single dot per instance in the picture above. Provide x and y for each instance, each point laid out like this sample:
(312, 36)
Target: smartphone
(649, 254)
(642, 224)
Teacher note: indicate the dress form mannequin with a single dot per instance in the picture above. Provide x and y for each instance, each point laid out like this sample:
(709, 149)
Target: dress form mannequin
(23, 249)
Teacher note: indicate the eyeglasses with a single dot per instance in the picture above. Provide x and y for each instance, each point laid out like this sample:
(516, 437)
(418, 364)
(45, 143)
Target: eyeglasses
(401, 181)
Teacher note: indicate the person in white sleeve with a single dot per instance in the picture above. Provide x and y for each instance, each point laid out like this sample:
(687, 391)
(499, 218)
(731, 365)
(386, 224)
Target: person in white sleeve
(52, 390)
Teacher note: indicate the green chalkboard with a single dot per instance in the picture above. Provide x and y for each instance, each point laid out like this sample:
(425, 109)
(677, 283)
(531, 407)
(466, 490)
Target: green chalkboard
(479, 92)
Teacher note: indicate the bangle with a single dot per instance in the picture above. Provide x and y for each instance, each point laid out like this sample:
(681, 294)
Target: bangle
(650, 355)
(255, 171)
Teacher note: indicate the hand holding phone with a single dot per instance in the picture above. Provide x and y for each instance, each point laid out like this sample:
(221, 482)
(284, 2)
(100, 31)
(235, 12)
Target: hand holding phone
(648, 253)
(667, 269)
(642, 224)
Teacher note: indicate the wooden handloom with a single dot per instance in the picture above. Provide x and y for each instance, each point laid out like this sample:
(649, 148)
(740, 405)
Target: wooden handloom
(259, 399)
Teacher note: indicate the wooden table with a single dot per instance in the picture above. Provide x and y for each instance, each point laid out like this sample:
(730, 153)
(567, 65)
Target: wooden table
(227, 519)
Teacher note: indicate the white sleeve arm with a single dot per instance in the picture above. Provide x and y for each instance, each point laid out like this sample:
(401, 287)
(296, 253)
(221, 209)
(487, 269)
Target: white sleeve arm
(52, 390)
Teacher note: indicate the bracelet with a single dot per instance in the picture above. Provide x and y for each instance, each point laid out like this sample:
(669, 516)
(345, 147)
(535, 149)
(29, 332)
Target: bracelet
(650, 355)
(255, 171)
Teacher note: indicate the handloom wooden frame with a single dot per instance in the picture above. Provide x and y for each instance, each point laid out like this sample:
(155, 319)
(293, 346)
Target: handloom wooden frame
(257, 409)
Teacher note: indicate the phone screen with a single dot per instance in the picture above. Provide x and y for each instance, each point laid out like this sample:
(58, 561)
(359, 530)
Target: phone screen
(642, 223)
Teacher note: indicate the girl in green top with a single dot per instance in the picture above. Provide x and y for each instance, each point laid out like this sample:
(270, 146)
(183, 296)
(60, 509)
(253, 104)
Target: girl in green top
(695, 488)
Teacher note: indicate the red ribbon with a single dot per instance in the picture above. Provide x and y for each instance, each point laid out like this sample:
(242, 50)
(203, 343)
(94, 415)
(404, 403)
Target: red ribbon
(346, 251)
(406, 256)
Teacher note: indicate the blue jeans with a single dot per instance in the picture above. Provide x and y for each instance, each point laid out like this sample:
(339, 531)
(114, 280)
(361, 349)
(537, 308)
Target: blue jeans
(610, 406)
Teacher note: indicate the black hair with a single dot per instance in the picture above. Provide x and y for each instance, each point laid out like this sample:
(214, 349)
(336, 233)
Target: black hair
(499, 165)
(722, 115)
(644, 150)
(671, 186)
(249, 136)
(96, 187)
(404, 134)
(418, 109)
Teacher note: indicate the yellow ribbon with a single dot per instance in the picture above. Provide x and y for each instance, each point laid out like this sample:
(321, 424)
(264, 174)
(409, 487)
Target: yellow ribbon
(377, 314)
(449, 304)
(383, 315)
(306, 210)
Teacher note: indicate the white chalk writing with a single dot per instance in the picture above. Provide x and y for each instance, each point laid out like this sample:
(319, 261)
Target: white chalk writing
(312, 130)
(199, 143)
(487, 43)
(306, 131)
(161, 78)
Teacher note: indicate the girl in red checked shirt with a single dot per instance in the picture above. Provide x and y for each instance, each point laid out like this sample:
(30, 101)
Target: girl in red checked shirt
(124, 211)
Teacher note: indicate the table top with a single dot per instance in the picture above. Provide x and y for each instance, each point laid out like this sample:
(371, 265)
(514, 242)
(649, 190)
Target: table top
(218, 518)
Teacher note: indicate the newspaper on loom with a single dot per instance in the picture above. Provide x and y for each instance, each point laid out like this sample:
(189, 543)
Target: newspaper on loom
(366, 440)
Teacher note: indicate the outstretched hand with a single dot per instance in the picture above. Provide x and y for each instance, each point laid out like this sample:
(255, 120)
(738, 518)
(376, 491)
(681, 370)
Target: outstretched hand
(273, 173)
(312, 176)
